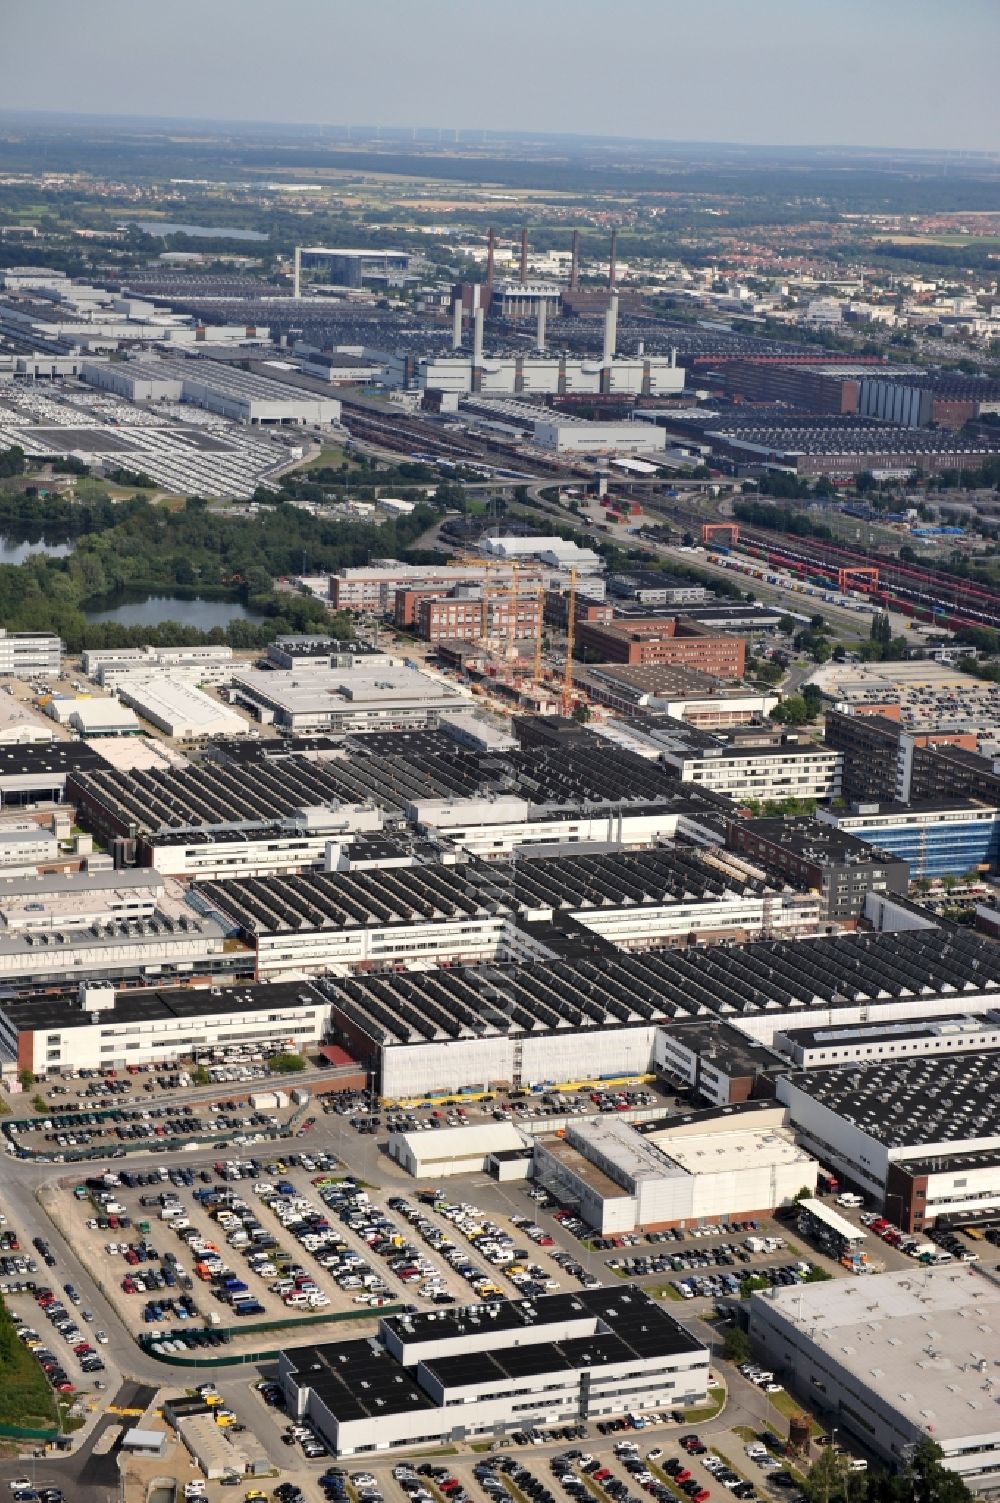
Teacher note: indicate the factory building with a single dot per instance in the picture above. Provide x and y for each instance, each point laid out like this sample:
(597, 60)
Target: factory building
(497, 616)
(461, 912)
(179, 709)
(934, 839)
(105, 925)
(372, 589)
(839, 866)
(893, 1362)
(550, 1018)
(37, 773)
(917, 399)
(90, 715)
(217, 387)
(903, 1129)
(325, 652)
(355, 699)
(675, 691)
(657, 639)
(101, 1030)
(454, 1374)
(866, 1043)
(352, 267)
(572, 435)
(620, 1179)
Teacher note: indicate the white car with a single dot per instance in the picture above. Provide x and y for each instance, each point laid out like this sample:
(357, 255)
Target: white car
(101, 1337)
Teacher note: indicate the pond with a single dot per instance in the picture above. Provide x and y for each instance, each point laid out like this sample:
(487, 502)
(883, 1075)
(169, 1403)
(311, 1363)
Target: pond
(164, 227)
(131, 609)
(15, 546)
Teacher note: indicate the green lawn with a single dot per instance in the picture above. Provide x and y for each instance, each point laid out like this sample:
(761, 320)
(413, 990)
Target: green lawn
(708, 1411)
(25, 1395)
(786, 1405)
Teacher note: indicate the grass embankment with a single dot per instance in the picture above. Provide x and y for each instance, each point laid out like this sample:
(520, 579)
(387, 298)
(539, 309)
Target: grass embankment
(25, 1396)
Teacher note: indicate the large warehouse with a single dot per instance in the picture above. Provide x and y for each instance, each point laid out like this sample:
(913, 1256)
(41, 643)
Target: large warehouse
(449, 1375)
(587, 1015)
(179, 709)
(456, 911)
(894, 1360)
(921, 1134)
(213, 385)
(351, 699)
(621, 1179)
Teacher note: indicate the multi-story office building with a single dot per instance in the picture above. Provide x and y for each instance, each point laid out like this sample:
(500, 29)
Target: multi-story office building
(663, 639)
(934, 838)
(451, 1375)
(839, 866)
(25, 653)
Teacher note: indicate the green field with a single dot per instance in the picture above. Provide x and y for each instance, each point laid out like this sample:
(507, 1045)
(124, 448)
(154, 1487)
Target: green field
(25, 1396)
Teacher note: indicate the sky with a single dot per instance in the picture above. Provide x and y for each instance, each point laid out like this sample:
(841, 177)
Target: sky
(901, 73)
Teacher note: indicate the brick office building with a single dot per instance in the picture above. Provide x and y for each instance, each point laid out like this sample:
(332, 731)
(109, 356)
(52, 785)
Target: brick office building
(663, 639)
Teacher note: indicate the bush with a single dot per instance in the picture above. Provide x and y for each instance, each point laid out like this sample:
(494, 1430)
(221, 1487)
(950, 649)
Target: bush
(286, 1064)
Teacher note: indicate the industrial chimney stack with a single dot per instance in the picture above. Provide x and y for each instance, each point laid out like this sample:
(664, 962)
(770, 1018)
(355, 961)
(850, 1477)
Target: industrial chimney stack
(540, 338)
(456, 328)
(613, 263)
(611, 330)
(574, 265)
(297, 273)
(490, 248)
(524, 256)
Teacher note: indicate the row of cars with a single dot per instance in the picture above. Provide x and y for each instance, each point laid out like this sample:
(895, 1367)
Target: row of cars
(487, 1237)
(62, 1321)
(385, 1240)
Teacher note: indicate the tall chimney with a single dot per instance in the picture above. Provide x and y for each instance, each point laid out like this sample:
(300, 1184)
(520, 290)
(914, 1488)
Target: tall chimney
(456, 327)
(613, 263)
(611, 330)
(477, 342)
(490, 247)
(524, 255)
(297, 273)
(574, 265)
(540, 338)
(673, 358)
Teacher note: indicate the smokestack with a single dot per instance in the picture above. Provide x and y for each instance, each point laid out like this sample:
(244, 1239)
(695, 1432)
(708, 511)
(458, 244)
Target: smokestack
(477, 342)
(611, 330)
(490, 247)
(673, 358)
(524, 255)
(613, 263)
(297, 273)
(456, 327)
(540, 339)
(574, 265)
(641, 347)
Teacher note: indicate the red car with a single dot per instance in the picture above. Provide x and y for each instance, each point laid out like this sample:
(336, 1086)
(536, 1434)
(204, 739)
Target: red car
(701, 1496)
(602, 1474)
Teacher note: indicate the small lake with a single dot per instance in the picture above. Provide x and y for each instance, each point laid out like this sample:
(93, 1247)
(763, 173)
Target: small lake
(188, 610)
(163, 227)
(15, 547)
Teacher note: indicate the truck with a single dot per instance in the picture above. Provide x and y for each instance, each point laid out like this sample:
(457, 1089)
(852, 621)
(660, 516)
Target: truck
(827, 1183)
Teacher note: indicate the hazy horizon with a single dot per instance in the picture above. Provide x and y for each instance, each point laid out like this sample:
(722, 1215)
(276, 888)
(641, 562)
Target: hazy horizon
(780, 73)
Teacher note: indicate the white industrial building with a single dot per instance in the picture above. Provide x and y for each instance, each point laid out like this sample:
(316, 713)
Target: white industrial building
(24, 846)
(344, 699)
(453, 1374)
(97, 661)
(103, 925)
(225, 389)
(492, 828)
(180, 710)
(20, 723)
(23, 654)
(545, 373)
(307, 839)
(620, 1179)
(570, 435)
(99, 1030)
(458, 1150)
(893, 1361)
(94, 715)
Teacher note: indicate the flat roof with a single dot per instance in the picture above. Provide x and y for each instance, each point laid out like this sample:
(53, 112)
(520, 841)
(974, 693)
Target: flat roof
(728, 1152)
(918, 1341)
(146, 1007)
(954, 1026)
(915, 1101)
(815, 841)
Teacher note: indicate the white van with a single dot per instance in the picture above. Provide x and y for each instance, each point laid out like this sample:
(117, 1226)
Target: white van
(850, 1199)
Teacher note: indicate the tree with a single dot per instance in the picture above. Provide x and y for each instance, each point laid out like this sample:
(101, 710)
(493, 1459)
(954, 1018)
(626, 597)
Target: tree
(791, 711)
(736, 1347)
(581, 714)
(828, 1479)
(804, 1194)
(812, 698)
(26, 1079)
(787, 625)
